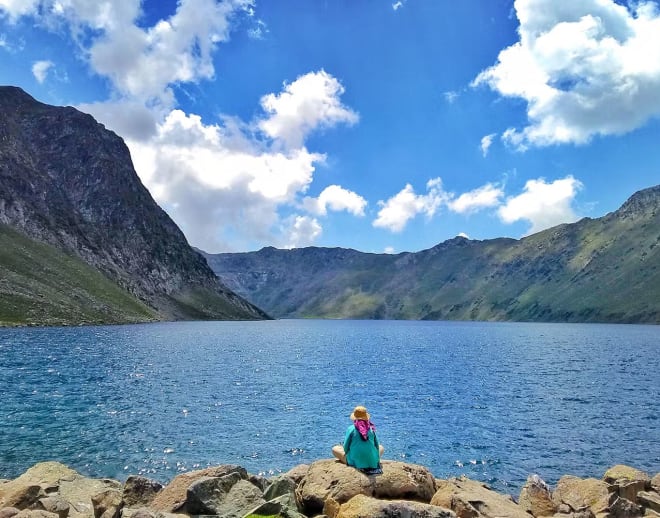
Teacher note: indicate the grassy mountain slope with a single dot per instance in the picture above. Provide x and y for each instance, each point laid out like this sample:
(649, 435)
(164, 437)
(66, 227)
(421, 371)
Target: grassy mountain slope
(40, 284)
(595, 270)
(67, 181)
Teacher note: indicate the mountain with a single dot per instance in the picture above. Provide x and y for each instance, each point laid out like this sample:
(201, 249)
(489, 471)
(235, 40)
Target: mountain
(67, 182)
(594, 270)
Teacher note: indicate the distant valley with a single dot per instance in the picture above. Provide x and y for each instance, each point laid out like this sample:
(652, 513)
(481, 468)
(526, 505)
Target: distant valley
(594, 270)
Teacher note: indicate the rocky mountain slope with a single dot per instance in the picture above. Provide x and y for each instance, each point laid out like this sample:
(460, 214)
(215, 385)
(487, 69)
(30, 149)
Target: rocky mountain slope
(594, 270)
(68, 182)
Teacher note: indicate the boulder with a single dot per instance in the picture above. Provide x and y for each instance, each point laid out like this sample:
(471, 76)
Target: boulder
(655, 482)
(279, 486)
(8, 512)
(298, 472)
(140, 491)
(621, 472)
(78, 492)
(471, 499)
(361, 505)
(107, 504)
(284, 506)
(332, 479)
(650, 500)
(579, 493)
(172, 498)
(35, 513)
(536, 498)
(628, 489)
(229, 496)
(650, 513)
(54, 504)
(39, 481)
(622, 508)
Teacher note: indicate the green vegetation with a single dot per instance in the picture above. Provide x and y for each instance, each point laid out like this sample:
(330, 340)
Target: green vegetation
(595, 270)
(40, 285)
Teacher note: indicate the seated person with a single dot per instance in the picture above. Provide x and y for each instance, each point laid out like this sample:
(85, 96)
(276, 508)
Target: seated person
(361, 448)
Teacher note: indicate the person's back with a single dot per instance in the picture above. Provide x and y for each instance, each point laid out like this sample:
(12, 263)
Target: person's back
(361, 448)
(361, 453)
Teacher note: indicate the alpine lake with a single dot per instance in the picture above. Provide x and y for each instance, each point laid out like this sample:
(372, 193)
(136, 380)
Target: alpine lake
(493, 401)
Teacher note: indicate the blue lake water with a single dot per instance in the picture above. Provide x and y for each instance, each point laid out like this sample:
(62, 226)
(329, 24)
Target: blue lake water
(493, 401)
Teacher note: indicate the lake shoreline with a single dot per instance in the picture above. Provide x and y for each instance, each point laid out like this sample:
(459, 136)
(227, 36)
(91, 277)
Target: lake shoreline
(324, 487)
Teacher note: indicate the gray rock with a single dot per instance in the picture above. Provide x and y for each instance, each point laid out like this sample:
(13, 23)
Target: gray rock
(229, 496)
(8, 512)
(281, 485)
(283, 506)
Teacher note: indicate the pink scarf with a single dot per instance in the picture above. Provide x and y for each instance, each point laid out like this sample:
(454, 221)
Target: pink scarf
(363, 427)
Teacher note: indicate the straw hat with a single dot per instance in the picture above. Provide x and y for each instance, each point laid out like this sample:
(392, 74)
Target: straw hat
(360, 413)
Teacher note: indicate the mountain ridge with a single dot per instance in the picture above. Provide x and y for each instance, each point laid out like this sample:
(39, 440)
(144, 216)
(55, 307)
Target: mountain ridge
(594, 270)
(67, 181)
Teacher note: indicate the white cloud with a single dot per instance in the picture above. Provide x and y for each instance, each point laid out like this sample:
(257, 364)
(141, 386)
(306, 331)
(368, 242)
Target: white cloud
(303, 231)
(17, 8)
(486, 196)
(486, 142)
(336, 198)
(451, 97)
(389, 250)
(397, 5)
(227, 187)
(402, 207)
(40, 70)
(542, 204)
(585, 68)
(463, 234)
(310, 102)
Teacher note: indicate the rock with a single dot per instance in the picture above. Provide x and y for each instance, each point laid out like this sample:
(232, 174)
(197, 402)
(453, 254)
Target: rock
(259, 481)
(107, 504)
(650, 513)
(298, 472)
(281, 485)
(621, 472)
(628, 489)
(284, 506)
(172, 498)
(361, 505)
(54, 504)
(79, 492)
(470, 499)
(8, 512)
(140, 491)
(579, 493)
(37, 482)
(536, 498)
(655, 482)
(229, 496)
(650, 500)
(35, 513)
(23, 497)
(622, 508)
(332, 479)
(582, 513)
(145, 512)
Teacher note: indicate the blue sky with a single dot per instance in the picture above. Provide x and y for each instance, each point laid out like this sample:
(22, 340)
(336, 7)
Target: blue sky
(375, 125)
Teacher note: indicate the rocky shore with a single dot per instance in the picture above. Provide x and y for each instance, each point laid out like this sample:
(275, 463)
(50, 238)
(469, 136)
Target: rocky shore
(324, 488)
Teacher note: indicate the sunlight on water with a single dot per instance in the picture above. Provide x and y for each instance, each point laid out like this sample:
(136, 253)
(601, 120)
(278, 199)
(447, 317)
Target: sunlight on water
(496, 402)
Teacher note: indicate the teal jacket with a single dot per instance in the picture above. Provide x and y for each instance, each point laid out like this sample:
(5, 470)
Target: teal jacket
(361, 454)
